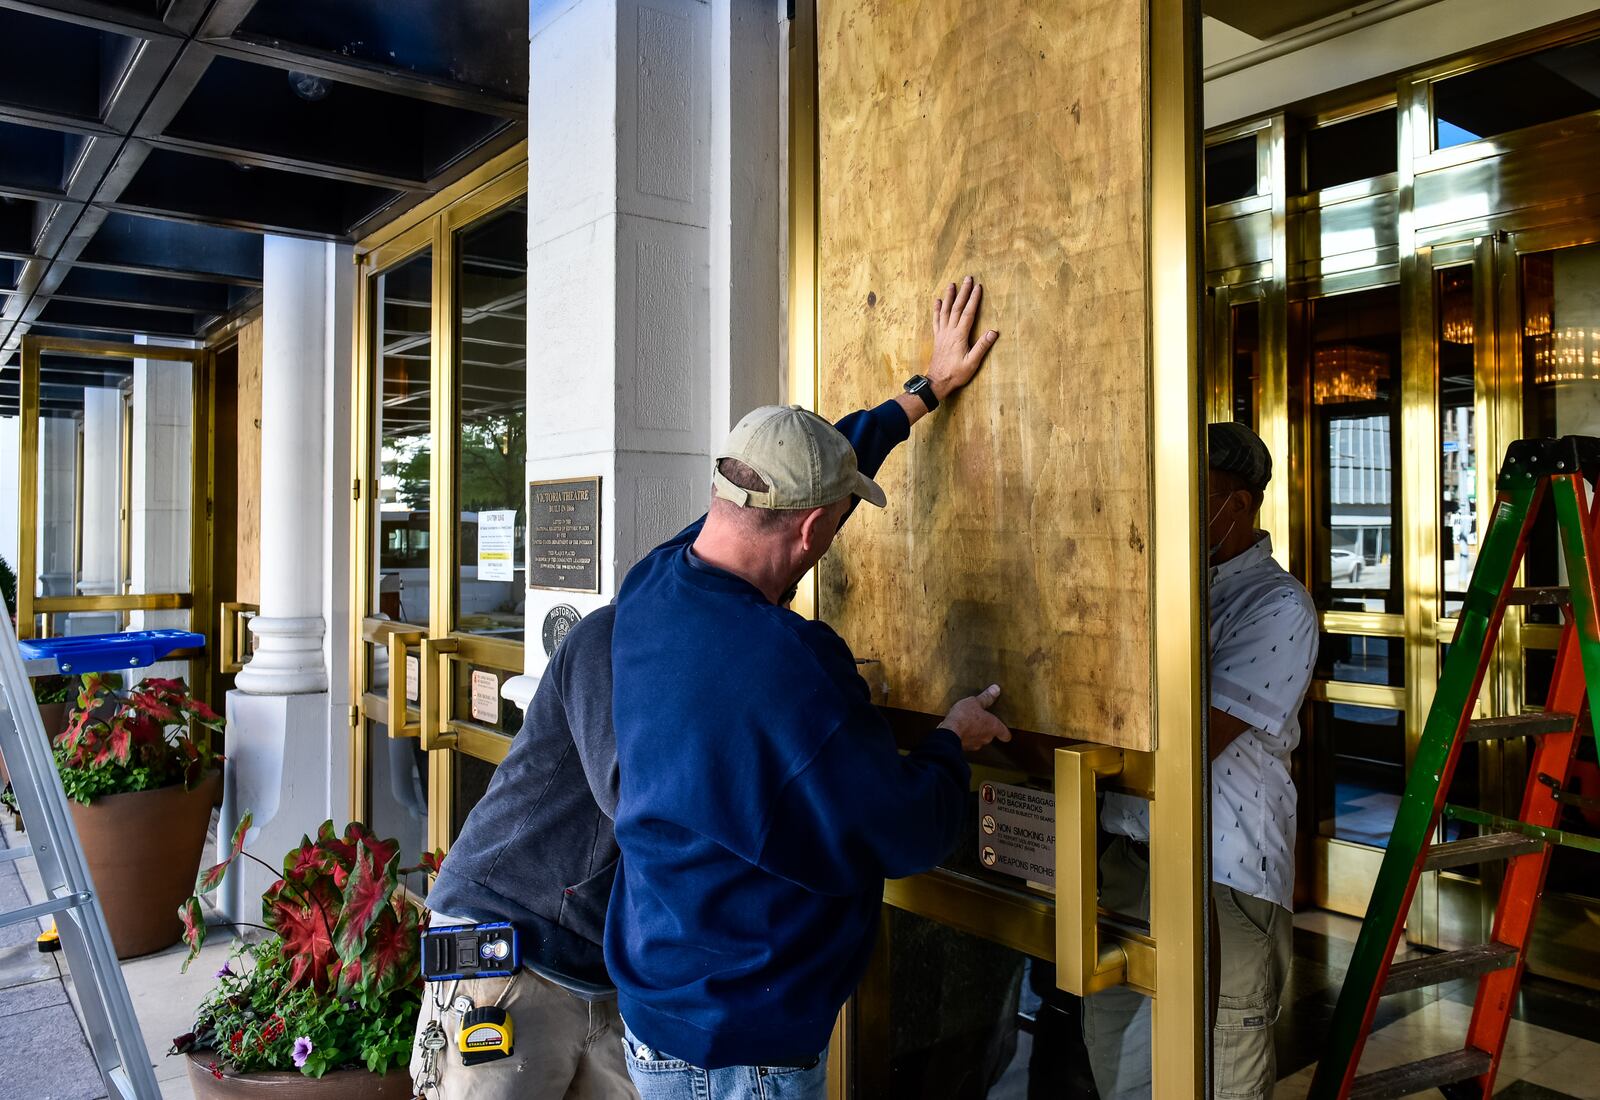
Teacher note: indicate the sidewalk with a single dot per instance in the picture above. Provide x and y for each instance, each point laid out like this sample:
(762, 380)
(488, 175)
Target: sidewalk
(42, 1039)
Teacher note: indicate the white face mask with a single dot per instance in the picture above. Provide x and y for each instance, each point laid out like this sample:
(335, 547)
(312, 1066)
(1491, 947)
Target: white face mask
(1216, 547)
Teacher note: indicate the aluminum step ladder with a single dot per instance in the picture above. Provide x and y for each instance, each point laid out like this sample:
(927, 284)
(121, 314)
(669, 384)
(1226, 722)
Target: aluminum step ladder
(1533, 469)
(113, 1029)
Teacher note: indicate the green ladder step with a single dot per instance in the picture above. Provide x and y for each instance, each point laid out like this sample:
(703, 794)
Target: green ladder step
(1480, 849)
(1415, 1077)
(1469, 962)
(1517, 725)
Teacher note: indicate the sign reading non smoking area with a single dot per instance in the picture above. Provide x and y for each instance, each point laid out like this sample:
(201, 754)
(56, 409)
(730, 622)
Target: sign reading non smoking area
(1017, 831)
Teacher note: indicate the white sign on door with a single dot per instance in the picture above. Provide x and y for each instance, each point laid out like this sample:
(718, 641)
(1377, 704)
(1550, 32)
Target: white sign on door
(1017, 831)
(413, 677)
(497, 545)
(485, 698)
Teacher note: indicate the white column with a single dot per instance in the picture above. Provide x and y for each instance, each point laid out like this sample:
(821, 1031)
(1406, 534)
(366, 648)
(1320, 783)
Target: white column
(289, 630)
(10, 498)
(102, 485)
(287, 722)
(653, 232)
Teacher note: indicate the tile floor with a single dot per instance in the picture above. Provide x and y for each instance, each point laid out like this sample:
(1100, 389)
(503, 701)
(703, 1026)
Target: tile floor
(1552, 1050)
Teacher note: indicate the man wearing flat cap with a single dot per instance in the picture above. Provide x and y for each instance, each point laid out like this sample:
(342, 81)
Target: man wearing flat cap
(1263, 645)
(762, 800)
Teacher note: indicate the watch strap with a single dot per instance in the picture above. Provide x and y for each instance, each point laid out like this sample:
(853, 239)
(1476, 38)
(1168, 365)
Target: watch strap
(922, 386)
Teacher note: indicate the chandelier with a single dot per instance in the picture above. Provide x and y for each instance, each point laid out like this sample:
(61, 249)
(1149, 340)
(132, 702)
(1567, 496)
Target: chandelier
(1565, 355)
(1455, 322)
(1345, 373)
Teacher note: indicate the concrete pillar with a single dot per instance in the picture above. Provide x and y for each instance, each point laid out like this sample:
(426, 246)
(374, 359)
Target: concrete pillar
(654, 234)
(102, 489)
(289, 630)
(287, 719)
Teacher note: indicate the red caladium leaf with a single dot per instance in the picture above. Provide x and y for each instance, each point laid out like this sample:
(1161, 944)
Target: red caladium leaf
(347, 977)
(212, 877)
(306, 862)
(307, 942)
(391, 960)
(155, 705)
(194, 929)
(366, 893)
(429, 861)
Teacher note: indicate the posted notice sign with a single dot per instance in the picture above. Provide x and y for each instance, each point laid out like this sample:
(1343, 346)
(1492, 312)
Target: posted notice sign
(1017, 831)
(497, 545)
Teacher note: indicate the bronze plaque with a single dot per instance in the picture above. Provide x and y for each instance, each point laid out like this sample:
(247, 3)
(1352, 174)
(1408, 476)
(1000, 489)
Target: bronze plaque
(564, 534)
(1005, 139)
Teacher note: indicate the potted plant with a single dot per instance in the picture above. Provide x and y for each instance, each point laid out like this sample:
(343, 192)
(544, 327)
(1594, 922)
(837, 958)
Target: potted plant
(143, 777)
(325, 1005)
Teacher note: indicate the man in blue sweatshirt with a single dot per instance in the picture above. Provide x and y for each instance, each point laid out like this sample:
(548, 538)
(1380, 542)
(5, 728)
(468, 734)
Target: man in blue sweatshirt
(762, 801)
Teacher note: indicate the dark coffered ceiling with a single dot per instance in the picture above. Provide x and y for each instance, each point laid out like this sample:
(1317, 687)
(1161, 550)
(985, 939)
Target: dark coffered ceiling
(145, 144)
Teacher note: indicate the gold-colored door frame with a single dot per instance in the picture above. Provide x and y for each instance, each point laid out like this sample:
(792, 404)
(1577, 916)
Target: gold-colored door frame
(197, 600)
(440, 650)
(1170, 963)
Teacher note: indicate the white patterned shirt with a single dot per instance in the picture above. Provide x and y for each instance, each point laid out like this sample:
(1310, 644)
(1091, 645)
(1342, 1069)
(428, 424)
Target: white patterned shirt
(1263, 645)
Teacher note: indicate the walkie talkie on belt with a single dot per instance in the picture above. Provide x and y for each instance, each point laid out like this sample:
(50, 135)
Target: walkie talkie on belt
(461, 951)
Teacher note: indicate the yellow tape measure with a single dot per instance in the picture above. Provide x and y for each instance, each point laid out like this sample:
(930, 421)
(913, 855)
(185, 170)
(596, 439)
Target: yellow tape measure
(485, 1036)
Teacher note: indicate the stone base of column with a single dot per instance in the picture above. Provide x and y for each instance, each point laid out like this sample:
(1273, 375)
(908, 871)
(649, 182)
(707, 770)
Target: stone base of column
(278, 770)
(287, 658)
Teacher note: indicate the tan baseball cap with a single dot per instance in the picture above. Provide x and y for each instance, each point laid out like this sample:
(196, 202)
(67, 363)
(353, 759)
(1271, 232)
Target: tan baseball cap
(805, 461)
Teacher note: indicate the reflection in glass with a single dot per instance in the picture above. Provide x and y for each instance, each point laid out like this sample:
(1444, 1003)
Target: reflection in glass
(491, 445)
(1458, 439)
(397, 792)
(1246, 329)
(1520, 92)
(1560, 376)
(1231, 170)
(469, 785)
(943, 1015)
(1359, 659)
(1573, 870)
(1351, 358)
(1355, 149)
(402, 432)
(115, 487)
(1362, 756)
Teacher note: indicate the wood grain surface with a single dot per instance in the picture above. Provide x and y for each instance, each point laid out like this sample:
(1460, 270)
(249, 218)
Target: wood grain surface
(1006, 139)
(248, 488)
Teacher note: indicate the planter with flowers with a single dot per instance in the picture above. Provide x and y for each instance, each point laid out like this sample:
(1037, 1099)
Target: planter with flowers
(142, 775)
(326, 1005)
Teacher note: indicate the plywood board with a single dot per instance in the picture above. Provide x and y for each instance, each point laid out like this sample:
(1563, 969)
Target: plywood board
(248, 486)
(1007, 139)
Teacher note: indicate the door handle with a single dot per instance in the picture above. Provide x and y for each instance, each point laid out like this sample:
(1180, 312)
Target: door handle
(435, 693)
(1084, 964)
(397, 641)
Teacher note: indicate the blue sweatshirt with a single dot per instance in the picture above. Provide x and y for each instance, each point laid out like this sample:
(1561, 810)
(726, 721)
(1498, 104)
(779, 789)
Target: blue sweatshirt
(762, 803)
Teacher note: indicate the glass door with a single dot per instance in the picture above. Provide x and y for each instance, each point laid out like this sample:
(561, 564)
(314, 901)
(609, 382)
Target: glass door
(439, 507)
(113, 492)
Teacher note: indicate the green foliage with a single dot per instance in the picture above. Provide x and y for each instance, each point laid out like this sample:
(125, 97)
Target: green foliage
(342, 970)
(156, 736)
(255, 1015)
(490, 465)
(53, 689)
(8, 586)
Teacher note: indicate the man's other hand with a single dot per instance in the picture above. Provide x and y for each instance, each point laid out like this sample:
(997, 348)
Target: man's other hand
(956, 356)
(971, 721)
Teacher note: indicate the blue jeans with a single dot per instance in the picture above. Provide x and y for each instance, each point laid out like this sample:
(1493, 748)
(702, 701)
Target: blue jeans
(659, 1077)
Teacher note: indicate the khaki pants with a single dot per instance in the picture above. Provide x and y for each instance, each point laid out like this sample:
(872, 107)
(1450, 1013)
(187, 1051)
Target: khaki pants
(1256, 945)
(563, 1047)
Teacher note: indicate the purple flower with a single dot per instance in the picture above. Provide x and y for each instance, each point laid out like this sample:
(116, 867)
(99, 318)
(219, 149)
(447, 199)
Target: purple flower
(224, 972)
(302, 1051)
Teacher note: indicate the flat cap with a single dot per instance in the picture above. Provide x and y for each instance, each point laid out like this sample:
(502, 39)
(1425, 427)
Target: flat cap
(1235, 449)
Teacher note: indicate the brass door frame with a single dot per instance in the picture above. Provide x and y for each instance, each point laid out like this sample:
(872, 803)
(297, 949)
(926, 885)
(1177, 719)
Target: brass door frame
(1175, 951)
(197, 600)
(433, 225)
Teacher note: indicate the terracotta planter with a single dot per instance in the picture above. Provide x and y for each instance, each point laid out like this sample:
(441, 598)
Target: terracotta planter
(53, 716)
(343, 1084)
(144, 853)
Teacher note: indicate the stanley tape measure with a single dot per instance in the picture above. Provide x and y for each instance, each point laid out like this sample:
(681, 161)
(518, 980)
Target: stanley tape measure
(485, 1036)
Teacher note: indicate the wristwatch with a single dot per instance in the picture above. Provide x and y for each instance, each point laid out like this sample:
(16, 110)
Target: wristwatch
(923, 388)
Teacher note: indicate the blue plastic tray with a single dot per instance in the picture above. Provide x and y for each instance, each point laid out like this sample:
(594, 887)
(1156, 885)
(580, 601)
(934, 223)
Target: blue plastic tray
(82, 653)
